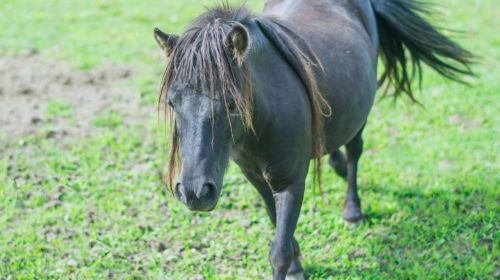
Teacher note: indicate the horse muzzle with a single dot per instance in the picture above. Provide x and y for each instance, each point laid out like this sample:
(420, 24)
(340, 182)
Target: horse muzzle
(201, 198)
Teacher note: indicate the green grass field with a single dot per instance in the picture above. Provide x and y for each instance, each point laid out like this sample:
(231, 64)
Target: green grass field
(95, 207)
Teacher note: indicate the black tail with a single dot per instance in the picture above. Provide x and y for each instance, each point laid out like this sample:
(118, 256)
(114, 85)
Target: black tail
(407, 38)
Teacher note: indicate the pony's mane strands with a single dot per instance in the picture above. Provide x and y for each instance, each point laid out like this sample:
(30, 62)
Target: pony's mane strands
(201, 59)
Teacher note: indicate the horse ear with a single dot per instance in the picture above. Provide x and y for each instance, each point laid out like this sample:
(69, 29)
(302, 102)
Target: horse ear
(166, 42)
(238, 40)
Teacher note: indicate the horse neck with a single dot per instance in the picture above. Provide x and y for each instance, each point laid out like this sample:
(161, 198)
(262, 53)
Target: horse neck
(277, 89)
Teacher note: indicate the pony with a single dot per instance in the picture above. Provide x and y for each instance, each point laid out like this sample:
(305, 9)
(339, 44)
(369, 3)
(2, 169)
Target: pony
(273, 91)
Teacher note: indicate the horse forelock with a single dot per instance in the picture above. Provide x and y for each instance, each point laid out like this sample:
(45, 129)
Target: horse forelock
(202, 61)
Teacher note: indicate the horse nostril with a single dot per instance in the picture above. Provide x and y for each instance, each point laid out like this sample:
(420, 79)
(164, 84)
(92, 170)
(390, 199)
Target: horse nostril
(207, 190)
(178, 192)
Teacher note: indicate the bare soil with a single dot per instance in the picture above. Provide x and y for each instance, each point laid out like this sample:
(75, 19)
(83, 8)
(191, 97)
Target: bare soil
(28, 84)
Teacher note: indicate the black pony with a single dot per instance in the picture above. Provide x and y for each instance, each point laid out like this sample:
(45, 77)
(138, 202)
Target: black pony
(274, 91)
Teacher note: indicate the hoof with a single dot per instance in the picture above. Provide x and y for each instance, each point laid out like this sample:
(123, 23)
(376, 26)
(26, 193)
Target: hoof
(353, 225)
(354, 219)
(353, 215)
(296, 276)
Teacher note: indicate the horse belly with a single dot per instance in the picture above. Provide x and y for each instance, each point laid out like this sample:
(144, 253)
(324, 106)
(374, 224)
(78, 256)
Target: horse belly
(349, 84)
(351, 100)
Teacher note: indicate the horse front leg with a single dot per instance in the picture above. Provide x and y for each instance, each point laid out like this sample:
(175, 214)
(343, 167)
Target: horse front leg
(288, 203)
(295, 270)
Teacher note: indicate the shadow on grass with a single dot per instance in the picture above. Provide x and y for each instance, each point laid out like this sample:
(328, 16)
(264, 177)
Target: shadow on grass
(432, 233)
(324, 272)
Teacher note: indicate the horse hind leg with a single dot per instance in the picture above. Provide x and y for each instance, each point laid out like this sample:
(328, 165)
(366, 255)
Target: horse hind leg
(339, 163)
(352, 205)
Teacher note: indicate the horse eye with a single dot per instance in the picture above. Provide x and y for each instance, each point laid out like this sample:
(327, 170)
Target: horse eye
(168, 101)
(233, 111)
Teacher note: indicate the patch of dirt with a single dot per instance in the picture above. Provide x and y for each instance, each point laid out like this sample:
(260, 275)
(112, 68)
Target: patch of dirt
(28, 85)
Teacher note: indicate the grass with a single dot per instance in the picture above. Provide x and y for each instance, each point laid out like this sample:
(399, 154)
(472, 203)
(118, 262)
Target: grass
(110, 119)
(58, 109)
(96, 208)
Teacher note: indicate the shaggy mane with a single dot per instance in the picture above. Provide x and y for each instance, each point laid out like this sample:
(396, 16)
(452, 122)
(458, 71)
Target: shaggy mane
(201, 59)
